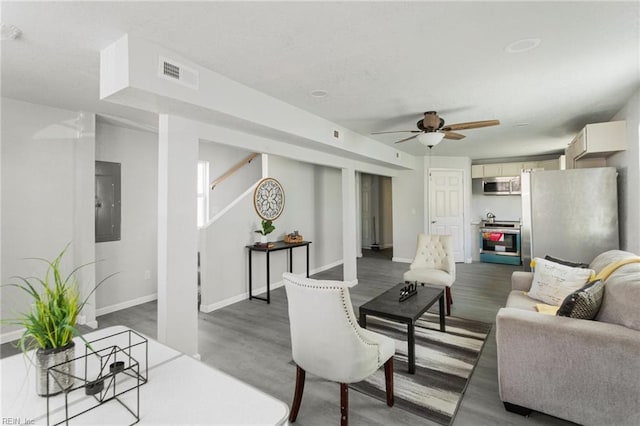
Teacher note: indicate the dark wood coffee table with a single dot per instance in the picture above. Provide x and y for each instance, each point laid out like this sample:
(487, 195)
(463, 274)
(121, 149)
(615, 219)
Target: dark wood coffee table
(387, 306)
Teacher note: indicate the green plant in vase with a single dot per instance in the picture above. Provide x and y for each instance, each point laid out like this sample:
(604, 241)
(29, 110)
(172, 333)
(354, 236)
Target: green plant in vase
(267, 228)
(50, 325)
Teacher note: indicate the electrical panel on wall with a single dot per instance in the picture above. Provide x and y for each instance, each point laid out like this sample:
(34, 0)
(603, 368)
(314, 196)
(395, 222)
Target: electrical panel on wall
(107, 201)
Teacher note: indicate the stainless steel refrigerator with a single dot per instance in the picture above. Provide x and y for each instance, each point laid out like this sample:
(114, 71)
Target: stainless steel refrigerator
(569, 214)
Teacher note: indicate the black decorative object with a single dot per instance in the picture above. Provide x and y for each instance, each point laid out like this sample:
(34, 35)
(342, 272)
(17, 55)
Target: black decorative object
(95, 387)
(110, 370)
(116, 367)
(410, 289)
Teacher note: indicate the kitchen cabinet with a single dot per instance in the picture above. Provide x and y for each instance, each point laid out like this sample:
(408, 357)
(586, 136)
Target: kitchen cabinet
(477, 171)
(492, 170)
(511, 169)
(596, 142)
(549, 164)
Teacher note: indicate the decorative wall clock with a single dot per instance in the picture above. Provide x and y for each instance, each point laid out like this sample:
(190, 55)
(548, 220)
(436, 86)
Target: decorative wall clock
(268, 199)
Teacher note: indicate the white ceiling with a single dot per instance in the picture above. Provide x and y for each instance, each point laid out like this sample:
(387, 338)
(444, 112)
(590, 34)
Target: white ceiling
(382, 63)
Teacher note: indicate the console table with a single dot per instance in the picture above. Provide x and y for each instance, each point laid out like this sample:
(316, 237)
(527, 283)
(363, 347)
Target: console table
(278, 245)
(179, 390)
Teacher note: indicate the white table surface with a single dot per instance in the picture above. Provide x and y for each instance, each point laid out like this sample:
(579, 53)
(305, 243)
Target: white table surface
(180, 391)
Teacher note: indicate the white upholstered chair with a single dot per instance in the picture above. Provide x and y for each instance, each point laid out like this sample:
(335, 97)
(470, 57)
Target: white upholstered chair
(327, 341)
(434, 264)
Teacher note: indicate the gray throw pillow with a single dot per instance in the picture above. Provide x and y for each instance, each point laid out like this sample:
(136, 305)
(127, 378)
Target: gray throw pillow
(583, 303)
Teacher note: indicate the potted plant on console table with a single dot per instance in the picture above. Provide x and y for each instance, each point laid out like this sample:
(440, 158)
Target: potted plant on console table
(50, 325)
(267, 228)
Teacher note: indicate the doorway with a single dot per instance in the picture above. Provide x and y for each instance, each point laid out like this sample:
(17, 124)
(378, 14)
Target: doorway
(376, 216)
(446, 207)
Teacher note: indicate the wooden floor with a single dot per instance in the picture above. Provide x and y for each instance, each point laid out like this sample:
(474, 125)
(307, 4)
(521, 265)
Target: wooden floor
(250, 340)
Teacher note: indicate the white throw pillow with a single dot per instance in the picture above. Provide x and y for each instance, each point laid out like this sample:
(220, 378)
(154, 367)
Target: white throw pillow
(553, 282)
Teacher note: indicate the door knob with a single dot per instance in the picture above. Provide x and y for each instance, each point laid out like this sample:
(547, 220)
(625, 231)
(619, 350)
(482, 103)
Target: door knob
(433, 221)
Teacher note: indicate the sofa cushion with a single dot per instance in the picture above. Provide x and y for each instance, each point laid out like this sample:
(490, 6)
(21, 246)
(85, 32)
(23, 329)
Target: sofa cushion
(621, 302)
(553, 282)
(608, 257)
(519, 300)
(584, 303)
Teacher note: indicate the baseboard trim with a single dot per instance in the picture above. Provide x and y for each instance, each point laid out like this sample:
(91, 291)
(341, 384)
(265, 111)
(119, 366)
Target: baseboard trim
(401, 260)
(238, 298)
(260, 290)
(92, 324)
(325, 267)
(221, 304)
(126, 304)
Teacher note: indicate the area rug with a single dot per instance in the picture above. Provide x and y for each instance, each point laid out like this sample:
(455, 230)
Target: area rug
(444, 363)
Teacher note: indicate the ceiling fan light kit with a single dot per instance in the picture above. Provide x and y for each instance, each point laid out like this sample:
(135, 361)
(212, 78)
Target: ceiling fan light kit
(431, 129)
(430, 139)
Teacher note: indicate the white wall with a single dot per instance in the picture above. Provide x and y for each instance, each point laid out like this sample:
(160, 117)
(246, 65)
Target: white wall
(628, 165)
(46, 163)
(505, 207)
(408, 212)
(134, 257)
(312, 206)
(221, 158)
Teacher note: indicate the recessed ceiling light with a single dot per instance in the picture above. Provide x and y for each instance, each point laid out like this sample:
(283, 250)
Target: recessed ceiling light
(524, 45)
(9, 32)
(319, 93)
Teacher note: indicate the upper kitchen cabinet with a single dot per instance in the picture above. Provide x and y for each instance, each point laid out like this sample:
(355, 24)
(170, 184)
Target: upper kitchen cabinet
(594, 143)
(511, 169)
(477, 171)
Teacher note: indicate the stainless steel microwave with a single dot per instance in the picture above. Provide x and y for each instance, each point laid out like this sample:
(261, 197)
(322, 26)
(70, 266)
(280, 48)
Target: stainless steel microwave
(501, 186)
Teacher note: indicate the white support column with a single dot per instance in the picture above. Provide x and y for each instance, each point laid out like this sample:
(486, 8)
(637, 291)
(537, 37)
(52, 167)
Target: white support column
(349, 226)
(358, 214)
(177, 234)
(84, 242)
(265, 165)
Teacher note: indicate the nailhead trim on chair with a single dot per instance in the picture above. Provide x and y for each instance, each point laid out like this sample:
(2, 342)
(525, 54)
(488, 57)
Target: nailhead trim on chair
(346, 311)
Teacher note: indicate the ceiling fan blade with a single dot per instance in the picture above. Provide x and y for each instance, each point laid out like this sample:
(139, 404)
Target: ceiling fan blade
(406, 139)
(471, 125)
(395, 131)
(453, 135)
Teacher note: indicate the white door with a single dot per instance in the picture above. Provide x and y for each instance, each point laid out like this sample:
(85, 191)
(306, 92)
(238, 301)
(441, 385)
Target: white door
(446, 207)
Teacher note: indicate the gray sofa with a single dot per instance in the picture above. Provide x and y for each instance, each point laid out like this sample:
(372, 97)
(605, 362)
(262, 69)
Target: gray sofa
(584, 371)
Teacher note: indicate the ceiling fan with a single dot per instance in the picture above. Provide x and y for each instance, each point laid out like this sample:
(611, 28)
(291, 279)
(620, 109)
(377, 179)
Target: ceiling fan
(434, 129)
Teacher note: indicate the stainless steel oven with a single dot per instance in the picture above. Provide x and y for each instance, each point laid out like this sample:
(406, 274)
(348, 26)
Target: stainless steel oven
(500, 242)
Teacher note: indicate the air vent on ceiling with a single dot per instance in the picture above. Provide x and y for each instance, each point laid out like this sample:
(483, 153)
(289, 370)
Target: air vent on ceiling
(175, 71)
(171, 70)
